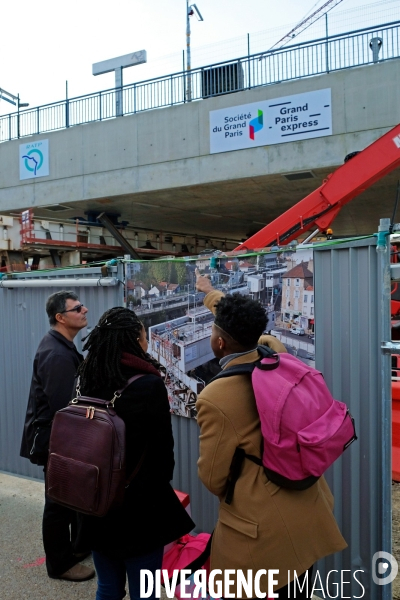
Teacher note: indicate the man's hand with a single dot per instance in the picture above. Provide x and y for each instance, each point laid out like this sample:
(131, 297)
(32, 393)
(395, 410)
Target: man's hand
(203, 283)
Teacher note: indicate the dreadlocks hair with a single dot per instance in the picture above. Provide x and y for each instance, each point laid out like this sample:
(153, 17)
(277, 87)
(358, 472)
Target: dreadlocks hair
(117, 331)
(242, 318)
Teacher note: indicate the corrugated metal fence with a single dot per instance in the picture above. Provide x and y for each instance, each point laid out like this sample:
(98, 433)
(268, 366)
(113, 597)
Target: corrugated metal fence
(203, 504)
(23, 323)
(349, 291)
(349, 295)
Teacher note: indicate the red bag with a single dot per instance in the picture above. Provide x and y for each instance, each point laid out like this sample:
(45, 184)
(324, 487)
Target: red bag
(190, 553)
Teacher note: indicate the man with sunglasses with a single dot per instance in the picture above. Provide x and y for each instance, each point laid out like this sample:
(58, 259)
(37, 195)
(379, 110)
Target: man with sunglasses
(54, 369)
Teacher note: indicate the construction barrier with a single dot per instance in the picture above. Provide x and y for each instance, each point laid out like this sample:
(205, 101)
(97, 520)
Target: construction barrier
(396, 430)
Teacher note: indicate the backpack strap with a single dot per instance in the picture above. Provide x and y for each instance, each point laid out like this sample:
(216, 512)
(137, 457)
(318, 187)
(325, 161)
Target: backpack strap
(128, 383)
(267, 352)
(199, 562)
(235, 470)
(117, 394)
(234, 473)
(136, 469)
(264, 351)
(236, 370)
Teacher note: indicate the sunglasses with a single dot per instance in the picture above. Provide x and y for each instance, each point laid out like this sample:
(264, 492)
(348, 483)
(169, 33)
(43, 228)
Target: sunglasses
(77, 308)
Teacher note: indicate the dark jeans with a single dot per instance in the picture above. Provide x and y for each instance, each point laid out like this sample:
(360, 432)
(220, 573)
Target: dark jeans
(112, 572)
(60, 533)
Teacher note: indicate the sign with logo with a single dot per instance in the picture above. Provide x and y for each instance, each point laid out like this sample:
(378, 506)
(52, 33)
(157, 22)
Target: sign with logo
(287, 119)
(34, 160)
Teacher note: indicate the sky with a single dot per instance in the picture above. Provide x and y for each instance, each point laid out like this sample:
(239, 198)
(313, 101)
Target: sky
(44, 44)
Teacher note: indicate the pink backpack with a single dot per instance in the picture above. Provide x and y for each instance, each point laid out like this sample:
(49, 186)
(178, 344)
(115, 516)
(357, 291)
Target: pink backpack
(304, 428)
(190, 553)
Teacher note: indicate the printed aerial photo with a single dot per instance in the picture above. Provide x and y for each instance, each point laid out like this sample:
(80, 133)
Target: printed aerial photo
(163, 294)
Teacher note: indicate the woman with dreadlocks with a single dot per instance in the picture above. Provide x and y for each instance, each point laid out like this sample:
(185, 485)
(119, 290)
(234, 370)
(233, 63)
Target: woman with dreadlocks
(132, 537)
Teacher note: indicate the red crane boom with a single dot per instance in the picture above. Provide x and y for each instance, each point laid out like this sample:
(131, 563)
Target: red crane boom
(319, 208)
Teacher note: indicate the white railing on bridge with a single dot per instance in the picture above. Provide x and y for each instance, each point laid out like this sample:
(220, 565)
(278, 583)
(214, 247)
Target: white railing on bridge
(307, 59)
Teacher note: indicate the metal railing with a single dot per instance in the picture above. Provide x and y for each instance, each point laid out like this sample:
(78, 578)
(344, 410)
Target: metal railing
(333, 53)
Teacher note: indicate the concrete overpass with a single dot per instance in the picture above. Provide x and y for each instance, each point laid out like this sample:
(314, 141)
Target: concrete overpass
(155, 168)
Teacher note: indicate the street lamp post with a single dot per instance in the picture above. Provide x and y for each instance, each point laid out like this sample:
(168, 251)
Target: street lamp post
(19, 106)
(190, 10)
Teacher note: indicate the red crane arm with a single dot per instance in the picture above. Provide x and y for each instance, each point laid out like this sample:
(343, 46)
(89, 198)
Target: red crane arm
(319, 208)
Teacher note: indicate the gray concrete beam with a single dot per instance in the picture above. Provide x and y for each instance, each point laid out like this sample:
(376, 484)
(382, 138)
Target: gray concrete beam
(159, 152)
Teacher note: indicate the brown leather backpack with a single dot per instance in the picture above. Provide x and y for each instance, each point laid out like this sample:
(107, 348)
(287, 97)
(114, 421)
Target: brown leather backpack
(86, 466)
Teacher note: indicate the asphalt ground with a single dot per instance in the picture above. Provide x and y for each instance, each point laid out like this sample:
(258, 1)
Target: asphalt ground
(23, 574)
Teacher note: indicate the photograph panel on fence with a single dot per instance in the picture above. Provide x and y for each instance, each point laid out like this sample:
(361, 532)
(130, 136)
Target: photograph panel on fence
(163, 294)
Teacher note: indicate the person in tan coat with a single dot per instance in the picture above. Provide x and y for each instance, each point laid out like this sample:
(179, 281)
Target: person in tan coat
(265, 526)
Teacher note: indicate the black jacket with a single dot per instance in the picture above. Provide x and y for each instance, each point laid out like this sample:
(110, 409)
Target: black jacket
(54, 369)
(151, 515)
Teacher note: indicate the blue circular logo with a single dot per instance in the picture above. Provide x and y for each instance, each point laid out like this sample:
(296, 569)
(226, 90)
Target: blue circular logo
(32, 162)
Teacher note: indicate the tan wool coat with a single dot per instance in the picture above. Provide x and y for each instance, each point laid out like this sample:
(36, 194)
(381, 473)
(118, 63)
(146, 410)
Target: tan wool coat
(265, 526)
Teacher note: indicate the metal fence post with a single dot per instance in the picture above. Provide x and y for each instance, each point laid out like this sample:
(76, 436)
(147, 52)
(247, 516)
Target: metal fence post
(184, 76)
(9, 126)
(66, 105)
(121, 280)
(100, 112)
(18, 117)
(37, 120)
(383, 248)
(134, 98)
